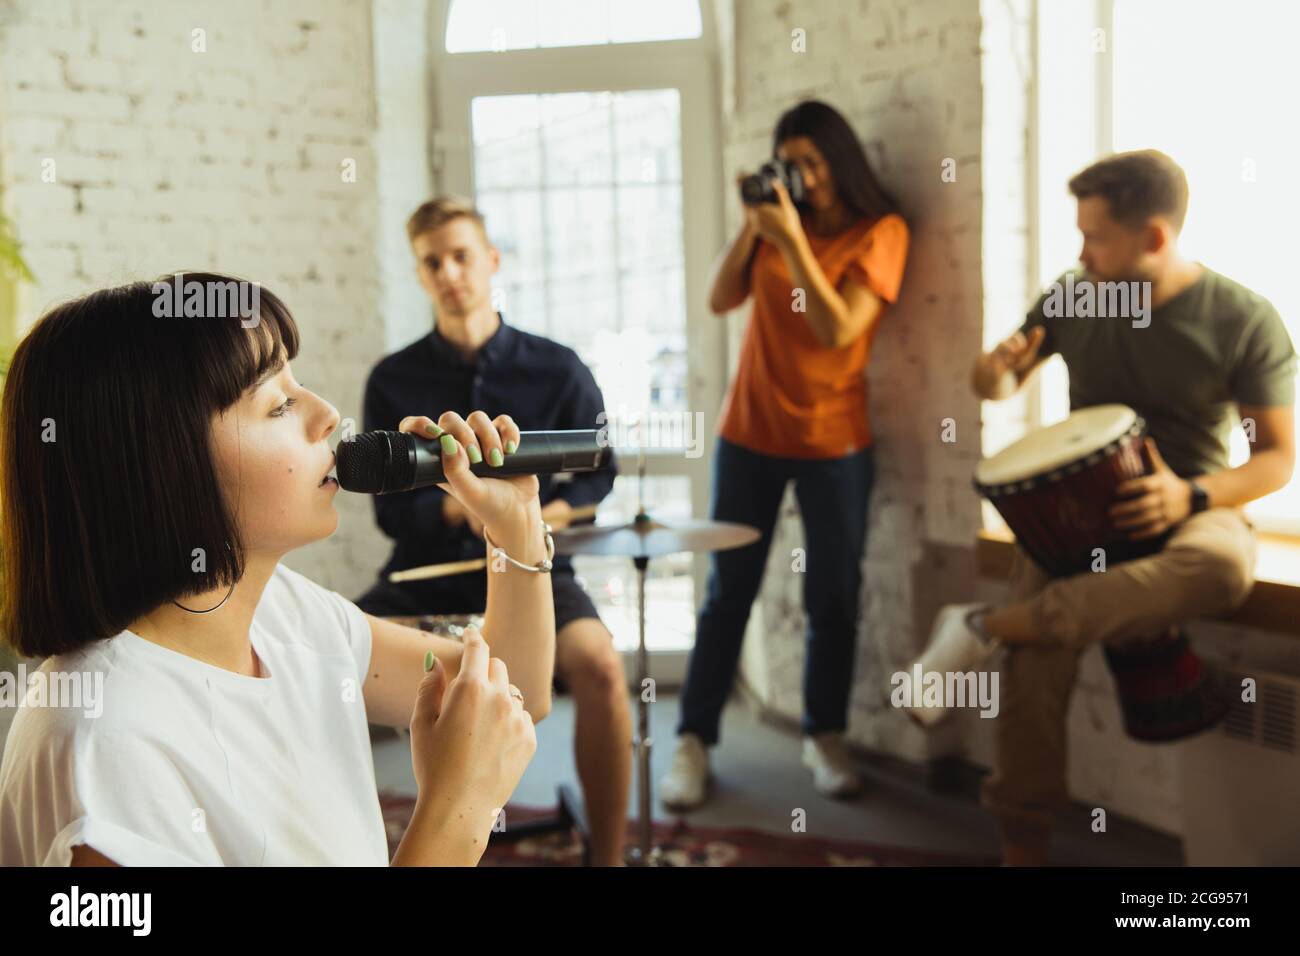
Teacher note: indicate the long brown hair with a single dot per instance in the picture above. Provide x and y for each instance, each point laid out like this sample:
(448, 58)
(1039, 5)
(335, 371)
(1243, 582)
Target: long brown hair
(855, 181)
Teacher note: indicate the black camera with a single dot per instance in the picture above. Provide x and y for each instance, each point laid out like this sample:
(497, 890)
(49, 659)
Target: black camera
(758, 188)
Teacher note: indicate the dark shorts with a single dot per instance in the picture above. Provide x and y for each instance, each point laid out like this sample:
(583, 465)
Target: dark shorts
(386, 599)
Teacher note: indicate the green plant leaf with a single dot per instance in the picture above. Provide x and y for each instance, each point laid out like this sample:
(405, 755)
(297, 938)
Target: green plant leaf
(12, 263)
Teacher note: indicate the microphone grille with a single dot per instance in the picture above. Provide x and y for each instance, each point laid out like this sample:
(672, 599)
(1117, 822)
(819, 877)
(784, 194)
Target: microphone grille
(368, 463)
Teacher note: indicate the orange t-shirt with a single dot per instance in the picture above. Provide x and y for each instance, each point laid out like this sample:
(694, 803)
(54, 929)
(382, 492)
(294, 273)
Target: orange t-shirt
(793, 397)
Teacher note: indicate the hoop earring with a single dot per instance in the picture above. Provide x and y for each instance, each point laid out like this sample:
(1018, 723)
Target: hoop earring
(211, 609)
(222, 600)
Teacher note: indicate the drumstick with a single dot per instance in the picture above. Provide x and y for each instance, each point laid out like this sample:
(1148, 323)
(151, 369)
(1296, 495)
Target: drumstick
(438, 570)
(448, 568)
(582, 513)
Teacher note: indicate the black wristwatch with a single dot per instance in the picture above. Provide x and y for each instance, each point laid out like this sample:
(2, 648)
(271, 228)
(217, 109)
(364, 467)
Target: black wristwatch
(1200, 498)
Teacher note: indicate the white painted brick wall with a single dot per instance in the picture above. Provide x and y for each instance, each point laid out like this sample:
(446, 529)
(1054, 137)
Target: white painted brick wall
(403, 91)
(230, 160)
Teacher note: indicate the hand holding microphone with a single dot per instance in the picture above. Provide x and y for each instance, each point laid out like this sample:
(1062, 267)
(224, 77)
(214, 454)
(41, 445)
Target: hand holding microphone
(382, 462)
(488, 465)
(453, 453)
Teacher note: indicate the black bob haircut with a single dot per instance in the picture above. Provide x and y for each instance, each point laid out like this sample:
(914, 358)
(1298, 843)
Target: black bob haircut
(855, 181)
(107, 481)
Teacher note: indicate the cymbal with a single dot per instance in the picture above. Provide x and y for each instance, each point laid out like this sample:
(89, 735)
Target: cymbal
(649, 538)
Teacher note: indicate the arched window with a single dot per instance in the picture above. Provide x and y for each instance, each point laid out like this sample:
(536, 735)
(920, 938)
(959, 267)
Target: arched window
(477, 26)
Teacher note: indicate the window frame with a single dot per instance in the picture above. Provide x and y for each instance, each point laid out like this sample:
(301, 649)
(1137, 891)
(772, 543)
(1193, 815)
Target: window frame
(446, 21)
(688, 66)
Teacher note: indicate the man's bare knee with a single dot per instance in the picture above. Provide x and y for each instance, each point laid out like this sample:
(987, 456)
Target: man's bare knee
(591, 666)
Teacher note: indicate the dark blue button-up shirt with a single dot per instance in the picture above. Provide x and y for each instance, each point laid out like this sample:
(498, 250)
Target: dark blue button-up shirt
(541, 384)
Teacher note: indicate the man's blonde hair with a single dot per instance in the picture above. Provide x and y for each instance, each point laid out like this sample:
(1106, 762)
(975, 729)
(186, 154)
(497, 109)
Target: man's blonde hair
(436, 213)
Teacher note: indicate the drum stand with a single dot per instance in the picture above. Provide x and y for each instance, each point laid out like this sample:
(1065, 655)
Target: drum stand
(640, 540)
(643, 854)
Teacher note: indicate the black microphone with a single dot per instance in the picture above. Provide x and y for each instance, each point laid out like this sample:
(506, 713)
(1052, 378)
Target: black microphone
(382, 462)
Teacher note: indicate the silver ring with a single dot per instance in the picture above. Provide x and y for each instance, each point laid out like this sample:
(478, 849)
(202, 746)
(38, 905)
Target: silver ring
(517, 694)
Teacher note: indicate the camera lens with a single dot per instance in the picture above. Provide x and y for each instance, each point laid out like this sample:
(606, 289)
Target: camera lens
(752, 190)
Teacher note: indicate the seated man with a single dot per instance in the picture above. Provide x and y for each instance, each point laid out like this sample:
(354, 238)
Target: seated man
(473, 359)
(1204, 347)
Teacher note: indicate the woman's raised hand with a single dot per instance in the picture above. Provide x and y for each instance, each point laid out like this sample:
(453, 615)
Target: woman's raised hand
(470, 742)
(777, 222)
(502, 505)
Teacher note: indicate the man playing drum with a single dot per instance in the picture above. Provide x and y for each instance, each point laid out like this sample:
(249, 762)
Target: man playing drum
(1205, 347)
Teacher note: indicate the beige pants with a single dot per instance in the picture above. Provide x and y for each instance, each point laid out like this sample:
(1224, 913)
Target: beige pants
(1207, 567)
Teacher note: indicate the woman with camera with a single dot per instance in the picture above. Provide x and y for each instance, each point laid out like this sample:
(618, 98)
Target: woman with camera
(821, 255)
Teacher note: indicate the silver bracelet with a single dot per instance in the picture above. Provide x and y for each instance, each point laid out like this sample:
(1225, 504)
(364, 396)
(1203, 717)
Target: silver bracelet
(542, 567)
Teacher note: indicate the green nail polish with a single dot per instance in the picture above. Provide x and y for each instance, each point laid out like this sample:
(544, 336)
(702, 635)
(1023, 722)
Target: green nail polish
(448, 445)
(434, 430)
(512, 446)
(428, 661)
(475, 456)
(494, 456)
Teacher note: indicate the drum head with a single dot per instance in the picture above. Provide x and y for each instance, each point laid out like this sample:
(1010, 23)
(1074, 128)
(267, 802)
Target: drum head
(1086, 431)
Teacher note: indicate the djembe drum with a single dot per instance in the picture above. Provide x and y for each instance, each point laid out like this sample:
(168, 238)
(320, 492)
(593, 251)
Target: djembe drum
(1054, 488)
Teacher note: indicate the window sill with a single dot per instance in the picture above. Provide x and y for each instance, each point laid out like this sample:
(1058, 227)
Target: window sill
(1273, 604)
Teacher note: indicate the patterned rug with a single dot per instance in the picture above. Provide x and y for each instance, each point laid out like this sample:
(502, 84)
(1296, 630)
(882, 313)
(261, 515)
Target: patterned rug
(685, 845)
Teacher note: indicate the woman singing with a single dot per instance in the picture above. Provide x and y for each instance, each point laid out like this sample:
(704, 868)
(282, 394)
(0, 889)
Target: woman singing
(154, 472)
(820, 276)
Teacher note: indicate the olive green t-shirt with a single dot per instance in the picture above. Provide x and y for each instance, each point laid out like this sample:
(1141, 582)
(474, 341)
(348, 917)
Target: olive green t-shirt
(1184, 367)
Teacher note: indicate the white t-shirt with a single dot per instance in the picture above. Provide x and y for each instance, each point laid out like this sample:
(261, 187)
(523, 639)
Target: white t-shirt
(191, 764)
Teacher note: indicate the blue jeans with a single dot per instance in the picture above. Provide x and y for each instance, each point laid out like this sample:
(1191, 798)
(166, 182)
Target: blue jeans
(832, 495)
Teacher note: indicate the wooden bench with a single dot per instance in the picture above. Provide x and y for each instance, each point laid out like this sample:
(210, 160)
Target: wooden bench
(1273, 605)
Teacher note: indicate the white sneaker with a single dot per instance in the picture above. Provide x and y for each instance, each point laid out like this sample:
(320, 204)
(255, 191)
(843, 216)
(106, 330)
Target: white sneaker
(685, 785)
(955, 647)
(832, 767)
